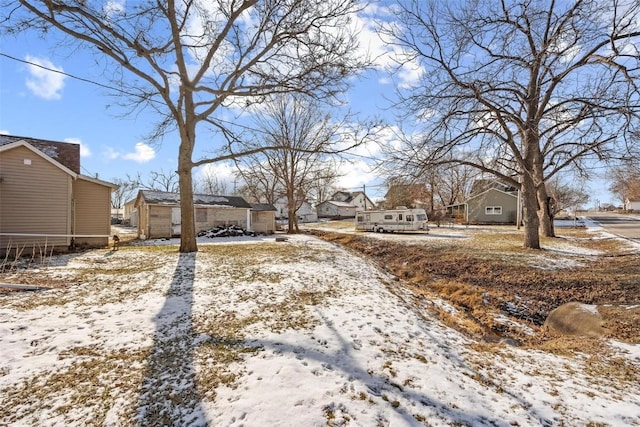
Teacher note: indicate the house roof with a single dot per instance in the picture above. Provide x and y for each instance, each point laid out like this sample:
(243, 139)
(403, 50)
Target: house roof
(65, 153)
(166, 198)
(475, 196)
(480, 186)
(262, 207)
(21, 143)
(339, 204)
(350, 195)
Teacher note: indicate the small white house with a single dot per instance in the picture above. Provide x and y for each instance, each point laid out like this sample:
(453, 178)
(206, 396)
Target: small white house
(131, 213)
(632, 205)
(356, 198)
(335, 209)
(306, 212)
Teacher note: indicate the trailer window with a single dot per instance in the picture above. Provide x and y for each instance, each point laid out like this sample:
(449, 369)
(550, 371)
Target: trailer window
(410, 218)
(360, 218)
(399, 217)
(388, 217)
(421, 217)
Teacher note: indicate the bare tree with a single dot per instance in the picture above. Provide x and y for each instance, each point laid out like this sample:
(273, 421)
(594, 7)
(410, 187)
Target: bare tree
(208, 183)
(454, 183)
(306, 135)
(405, 191)
(189, 59)
(123, 192)
(566, 195)
(162, 181)
(436, 188)
(322, 182)
(520, 89)
(625, 181)
(260, 184)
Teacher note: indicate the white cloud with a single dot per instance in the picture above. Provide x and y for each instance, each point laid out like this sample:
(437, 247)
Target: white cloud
(84, 149)
(356, 173)
(44, 83)
(110, 153)
(4, 132)
(143, 153)
(221, 173)
(114, 7)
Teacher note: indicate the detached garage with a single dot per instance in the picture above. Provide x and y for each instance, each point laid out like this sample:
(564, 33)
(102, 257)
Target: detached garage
(159, 213)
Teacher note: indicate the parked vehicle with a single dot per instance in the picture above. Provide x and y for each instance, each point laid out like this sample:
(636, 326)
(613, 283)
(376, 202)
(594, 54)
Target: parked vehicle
(399, 219)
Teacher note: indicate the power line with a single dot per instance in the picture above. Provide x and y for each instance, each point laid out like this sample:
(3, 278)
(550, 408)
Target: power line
(53, 70)
(93, 82)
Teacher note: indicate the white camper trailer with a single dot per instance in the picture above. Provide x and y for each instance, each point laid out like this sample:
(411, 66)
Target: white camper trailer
(399, 219)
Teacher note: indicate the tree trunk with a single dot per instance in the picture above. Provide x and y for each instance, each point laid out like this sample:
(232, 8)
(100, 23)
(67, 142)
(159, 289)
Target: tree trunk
(530, 214)
(545, 213)
(292, 218)
(187, 212)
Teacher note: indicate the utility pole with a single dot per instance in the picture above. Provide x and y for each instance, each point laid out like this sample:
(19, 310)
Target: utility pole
(364, 192)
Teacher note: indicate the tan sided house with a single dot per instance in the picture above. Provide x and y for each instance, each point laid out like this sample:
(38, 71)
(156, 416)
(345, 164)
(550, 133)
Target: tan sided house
(492, 206)
(45, 201)
(159, 214)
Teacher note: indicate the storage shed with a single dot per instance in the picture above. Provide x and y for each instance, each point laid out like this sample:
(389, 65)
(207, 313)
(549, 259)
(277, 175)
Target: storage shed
(159, 213)
(263, 218)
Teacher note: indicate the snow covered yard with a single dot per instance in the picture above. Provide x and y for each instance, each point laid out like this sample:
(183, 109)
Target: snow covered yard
(258, 333)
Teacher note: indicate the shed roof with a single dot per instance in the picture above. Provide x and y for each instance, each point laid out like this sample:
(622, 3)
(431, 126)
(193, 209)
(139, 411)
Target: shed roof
(262, 207)
(167, 198)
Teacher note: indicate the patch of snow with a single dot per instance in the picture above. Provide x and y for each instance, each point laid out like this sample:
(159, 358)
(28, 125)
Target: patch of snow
(543, 262)
(363, 356)
(504, 320)
(589, 308)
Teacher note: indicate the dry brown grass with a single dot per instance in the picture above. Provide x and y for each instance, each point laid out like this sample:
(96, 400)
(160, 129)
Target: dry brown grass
(493, 274)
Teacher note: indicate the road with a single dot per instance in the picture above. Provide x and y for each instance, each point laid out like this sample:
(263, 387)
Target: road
(627, 226)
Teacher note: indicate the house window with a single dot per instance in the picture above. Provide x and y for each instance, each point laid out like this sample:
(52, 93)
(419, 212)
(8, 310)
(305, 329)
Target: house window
(493, 210)
(201, 215)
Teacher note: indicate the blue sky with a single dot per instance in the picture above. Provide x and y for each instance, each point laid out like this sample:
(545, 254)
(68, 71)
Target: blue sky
(40, 104)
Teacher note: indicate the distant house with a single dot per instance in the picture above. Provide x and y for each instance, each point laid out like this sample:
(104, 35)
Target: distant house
(335, 209)
(357, 198)
(45, 201)
(632, 205)
(410, 195)
(305, 213)
(492, 206)
(344, 204)
(130, 213)
(159, 214)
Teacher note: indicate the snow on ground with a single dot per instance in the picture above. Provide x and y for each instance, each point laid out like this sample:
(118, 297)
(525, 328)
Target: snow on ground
(258, 333)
